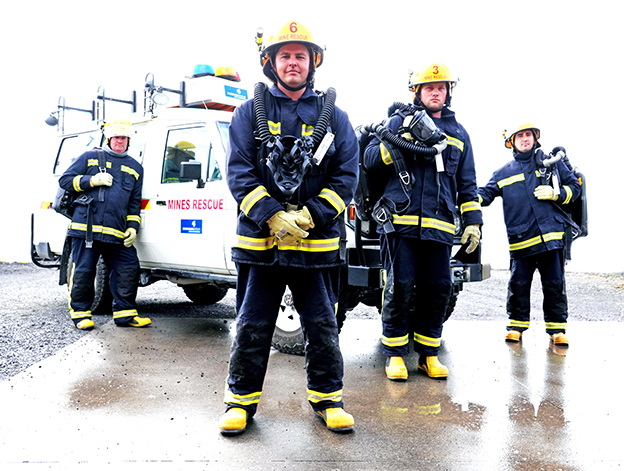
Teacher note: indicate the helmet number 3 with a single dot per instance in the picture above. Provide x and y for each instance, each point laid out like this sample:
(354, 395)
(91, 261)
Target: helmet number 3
(436, 71)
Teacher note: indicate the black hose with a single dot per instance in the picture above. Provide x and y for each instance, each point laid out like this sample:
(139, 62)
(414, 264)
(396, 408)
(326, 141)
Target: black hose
(384, 134)
(325, 117)
(260, 112)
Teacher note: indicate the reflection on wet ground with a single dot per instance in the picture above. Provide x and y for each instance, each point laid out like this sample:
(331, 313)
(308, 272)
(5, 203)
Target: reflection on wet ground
(152, 397)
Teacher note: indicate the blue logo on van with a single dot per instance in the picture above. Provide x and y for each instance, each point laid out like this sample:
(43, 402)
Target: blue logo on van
(191, 226)
(236, 93)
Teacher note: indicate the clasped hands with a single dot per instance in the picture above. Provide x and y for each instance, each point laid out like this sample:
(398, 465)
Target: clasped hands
(291, 226)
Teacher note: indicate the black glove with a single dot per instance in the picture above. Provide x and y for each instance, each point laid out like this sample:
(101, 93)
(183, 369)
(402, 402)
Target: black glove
(557, 149)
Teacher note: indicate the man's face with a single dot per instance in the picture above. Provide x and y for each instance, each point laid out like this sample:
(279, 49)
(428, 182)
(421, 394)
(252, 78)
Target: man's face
(292, 64)
(119, 144)
(433, 95)
(524, 141)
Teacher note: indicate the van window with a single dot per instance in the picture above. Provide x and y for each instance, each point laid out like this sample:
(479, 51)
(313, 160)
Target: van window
(184, 145)
(224, 132)
(73, 147)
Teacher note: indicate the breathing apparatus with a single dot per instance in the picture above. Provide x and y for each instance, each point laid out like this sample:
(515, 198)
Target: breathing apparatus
(291, 158)
(418, 136)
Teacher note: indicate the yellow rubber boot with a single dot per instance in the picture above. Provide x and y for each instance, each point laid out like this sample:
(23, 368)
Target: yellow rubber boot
(85, 324)
(139, 321)
(560, 339)
(233, 422)
(433, 367)
(396, 369)
(337, 420)
(513, 336)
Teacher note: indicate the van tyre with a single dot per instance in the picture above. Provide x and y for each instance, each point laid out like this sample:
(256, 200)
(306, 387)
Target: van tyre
(205, 293)
(288, 335)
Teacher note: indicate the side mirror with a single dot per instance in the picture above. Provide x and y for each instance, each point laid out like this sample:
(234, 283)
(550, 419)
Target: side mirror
(192, 171)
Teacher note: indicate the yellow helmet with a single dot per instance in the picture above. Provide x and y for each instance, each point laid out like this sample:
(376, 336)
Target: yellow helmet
(436, 72)
(509, 141)
(291, 32)
(182, 146)
(118, 128)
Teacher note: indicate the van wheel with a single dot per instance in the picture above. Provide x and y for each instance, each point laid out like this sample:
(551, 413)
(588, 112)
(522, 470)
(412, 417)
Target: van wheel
(103, 299)
(288, 335)
(451, 306)
(205, 293)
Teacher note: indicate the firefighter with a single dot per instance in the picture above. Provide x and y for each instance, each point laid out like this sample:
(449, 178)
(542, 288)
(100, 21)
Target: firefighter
(290, 227)
(105, 223)
(533, 193)
(183, 151)
(416, 248)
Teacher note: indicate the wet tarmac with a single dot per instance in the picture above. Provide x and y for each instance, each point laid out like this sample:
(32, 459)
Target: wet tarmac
(151, 398)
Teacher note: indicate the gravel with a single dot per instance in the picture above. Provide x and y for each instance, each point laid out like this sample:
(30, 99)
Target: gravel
(36, 324)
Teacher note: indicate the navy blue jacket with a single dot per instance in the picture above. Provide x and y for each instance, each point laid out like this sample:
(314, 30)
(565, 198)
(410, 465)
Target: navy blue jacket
(533, 225)
(432, 201)
(121, 205)
(326, 190)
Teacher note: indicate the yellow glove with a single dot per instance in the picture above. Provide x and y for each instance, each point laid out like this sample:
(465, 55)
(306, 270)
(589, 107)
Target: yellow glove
(101, 179)
(474, 233)
(545, 192)
(304, 213)
(286, 228)
(130, 236)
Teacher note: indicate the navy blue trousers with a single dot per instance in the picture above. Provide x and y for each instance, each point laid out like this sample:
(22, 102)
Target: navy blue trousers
(123, 269)
(258, 296)
(416, 294)
(551, 267)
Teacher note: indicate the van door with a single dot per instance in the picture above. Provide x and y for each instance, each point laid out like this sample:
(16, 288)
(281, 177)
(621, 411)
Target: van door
(184, 223)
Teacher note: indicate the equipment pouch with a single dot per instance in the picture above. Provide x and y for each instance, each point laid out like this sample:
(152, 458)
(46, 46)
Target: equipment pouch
(64, 202)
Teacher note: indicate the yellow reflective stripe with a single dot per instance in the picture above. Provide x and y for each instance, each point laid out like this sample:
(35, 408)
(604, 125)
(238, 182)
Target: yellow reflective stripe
(315, 396)
(304, 245)
(515, 323)
(241, 399)
(385, 155)
(306, 130)
(130, 170)
(455, 142)
(480, 199)
(439, 225)
(97, 229)
(334, 199)
(556, 325)
(553, 236)
(126, 313)
(80, 314)
(568, 194)
(76, 182)
(252, 198)
(395, 341)
(430, 223)
(470, 206)
(274, 128)
(405, 220)
(93, 163)
(133, 217)
(428, 341)
(309, 245)
(526, 243)
(510, 180)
